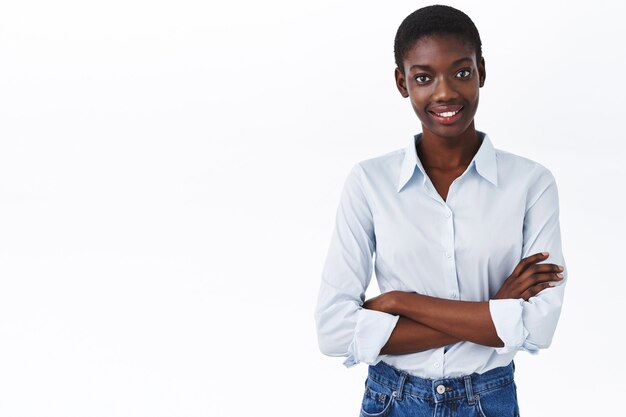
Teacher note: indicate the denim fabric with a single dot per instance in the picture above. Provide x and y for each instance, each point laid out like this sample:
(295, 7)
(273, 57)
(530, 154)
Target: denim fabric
(390, 392)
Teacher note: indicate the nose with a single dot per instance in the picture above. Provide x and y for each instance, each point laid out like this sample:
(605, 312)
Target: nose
(444, 91)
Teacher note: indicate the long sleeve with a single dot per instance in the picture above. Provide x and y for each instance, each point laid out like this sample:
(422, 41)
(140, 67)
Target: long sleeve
(344, 328)
(530, 325)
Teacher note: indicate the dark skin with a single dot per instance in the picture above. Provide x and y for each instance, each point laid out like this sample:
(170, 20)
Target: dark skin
(441, 77)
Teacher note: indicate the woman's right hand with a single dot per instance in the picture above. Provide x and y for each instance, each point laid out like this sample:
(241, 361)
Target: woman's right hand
(530, 278)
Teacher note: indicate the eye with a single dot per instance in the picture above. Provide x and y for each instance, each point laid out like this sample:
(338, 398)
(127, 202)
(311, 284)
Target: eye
(421, 78)
(464, 73)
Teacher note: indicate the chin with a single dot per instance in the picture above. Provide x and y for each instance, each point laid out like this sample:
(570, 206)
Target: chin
(451, 132)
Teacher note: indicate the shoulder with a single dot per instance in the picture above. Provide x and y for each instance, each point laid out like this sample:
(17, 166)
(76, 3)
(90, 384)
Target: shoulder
(530, 178)
(380, 167)
(376, 176)
(382, 162)
(521, 168)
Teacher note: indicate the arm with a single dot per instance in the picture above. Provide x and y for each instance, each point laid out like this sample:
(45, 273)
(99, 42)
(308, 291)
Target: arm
(410, 336)
(344, 328)
(530, 324)
(463, 320)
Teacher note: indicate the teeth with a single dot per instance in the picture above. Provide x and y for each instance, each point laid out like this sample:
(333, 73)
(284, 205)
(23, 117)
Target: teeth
(448, 113)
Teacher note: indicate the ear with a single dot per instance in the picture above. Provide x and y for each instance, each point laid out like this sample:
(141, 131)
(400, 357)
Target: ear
(401, 83)
(482, 73)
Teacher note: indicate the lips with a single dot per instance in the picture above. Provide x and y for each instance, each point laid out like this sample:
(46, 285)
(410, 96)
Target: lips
(446, 114)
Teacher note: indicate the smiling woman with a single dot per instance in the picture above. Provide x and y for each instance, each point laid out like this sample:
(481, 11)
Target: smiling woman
(461, 231)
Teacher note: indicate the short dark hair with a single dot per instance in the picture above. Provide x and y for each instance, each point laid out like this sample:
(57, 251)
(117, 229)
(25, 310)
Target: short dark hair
(434, 20)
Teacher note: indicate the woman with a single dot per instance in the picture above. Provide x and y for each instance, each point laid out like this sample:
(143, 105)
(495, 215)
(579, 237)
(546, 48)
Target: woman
(449, 217)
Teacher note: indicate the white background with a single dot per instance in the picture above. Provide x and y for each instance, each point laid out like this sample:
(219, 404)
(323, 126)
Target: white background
(170, 171)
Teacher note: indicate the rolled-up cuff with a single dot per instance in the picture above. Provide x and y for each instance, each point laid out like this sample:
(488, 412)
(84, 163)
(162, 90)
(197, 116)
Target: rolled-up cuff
(507, 318)
(373, 329)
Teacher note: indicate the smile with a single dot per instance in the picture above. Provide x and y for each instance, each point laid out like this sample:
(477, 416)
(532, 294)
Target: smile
(448, 116)
(448, 113)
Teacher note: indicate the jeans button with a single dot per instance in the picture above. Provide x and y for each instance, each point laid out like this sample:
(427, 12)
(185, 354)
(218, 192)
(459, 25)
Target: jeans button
(441, 389)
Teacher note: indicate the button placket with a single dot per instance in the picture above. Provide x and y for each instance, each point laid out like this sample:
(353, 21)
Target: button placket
(450, 235)
(437, 362)
(451, 275)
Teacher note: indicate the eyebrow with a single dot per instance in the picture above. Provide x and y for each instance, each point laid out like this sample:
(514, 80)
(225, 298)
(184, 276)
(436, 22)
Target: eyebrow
(427, 67)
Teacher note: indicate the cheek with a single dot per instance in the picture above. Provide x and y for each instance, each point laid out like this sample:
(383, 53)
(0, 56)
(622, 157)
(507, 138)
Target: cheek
(473, 100)
(471, 92)
(419, 110)
(418, 100)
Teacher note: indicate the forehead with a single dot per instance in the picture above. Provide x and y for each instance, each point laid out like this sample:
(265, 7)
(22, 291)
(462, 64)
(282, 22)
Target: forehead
(439, 50)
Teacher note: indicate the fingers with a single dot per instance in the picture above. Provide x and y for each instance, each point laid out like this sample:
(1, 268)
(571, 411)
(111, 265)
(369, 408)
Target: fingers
(541, 268)
(535, 274)
(536, 289)
(542, 272)
(530, 277)
(539, 277)
(528, 261)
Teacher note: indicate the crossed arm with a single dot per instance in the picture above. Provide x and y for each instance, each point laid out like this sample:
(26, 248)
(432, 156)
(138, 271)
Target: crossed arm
(429, 322)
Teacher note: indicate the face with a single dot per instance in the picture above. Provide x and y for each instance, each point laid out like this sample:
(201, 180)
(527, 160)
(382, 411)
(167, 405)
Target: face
(442, 78)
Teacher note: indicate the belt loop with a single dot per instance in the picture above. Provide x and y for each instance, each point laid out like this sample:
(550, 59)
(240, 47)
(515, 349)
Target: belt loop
(469, 391)
(403, 378)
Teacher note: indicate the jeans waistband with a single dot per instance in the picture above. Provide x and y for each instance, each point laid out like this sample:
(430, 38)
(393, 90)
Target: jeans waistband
(444, 389)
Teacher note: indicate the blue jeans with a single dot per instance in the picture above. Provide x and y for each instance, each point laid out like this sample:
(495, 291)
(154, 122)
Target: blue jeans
(390, 392)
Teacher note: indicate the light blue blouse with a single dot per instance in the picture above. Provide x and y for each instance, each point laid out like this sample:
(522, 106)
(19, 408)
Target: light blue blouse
(501, 209)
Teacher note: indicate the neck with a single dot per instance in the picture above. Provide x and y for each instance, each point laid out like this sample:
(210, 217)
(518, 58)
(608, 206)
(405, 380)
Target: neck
(448, 153)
